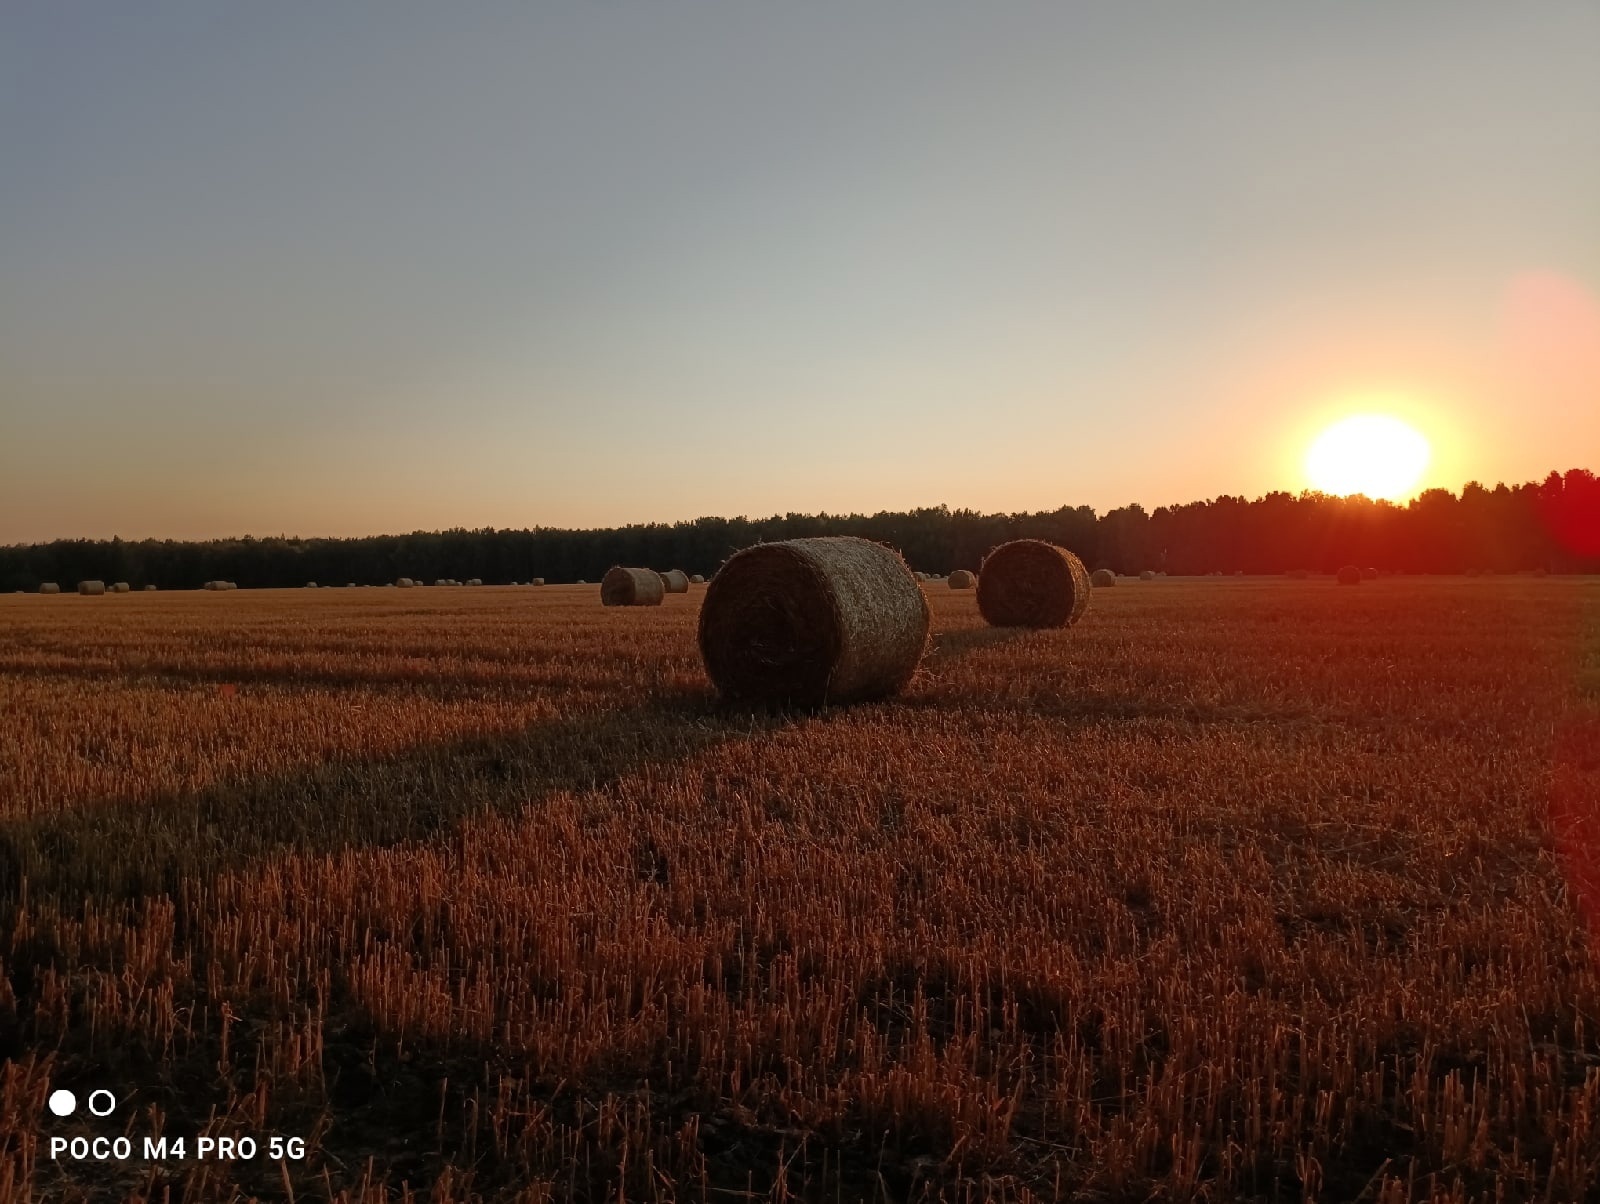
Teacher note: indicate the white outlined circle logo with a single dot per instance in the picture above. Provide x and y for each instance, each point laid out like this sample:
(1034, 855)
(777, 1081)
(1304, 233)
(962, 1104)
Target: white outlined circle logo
(102, 1097)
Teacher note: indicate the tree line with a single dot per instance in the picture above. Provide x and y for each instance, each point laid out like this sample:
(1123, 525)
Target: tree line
(1552, 525)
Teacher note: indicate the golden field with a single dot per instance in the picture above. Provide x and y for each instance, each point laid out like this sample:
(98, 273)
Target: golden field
(1241, 889)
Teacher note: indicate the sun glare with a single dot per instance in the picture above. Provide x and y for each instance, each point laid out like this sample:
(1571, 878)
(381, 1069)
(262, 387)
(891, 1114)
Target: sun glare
(1374, 454)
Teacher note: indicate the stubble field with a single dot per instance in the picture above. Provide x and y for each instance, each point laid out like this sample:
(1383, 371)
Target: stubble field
(1241, 889)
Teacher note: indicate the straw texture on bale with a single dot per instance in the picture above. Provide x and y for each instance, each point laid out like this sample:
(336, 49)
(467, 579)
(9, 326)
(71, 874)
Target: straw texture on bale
(121, 587)
(49, 587)
(810, 621)
(1349, 575)
(91, 588)
(696, 579)
(631, 587)
(675, 581)
(1030, 583)
(962, 579)
(1101, 578)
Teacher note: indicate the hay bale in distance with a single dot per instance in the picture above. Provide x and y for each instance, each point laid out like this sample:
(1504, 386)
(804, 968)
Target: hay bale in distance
(811, 621)
(311, 585)
(675, 581)
(149, 589)
(49, 587)
(1102, 578)
(631, 587)
(404, 582)
(1147, 575)
(91, 589)
(474, 580)
(121, 587)
(537, 581)
(696, 579)
(1349, 575)
(1369, 574)
(962, 579)
(1031, 583)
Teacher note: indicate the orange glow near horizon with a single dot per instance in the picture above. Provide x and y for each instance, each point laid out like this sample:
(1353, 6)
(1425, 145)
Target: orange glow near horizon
(1378, 455)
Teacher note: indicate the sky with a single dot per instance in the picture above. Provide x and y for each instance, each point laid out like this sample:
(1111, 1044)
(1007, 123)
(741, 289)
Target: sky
(338, 269)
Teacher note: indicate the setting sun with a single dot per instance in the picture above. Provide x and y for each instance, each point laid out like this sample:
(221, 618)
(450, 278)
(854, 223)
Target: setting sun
(1374, 454)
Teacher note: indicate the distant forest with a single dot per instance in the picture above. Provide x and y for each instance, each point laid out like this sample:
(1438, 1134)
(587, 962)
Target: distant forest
(1553, 525)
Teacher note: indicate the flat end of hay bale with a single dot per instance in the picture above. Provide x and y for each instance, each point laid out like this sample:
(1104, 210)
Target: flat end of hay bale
(632, 587)
(1031, 583)
(805, 622)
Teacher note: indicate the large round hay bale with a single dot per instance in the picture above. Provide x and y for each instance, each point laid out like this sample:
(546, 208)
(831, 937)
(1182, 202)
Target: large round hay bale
(1101, 578)
(675, 581)
(1147, 575)
(962, 579)
(1369, 574)
(121, 587)
(91, 588)
(49, 587)
(696, 579)
(537, 581)
(1349, 575)
(404, 582)
(811, 621)
(1031, 583)
(631, 587)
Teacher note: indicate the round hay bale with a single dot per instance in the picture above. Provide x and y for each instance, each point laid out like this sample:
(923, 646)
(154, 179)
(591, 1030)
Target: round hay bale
(696, 579)
(121, 587)
(1031, 583)
(1102, 578)
(582, 581)
(962, 579)
(1147, 575)
(537, 581)
(474, 580)
(1349, 575)
(810, 621)
(631, 587)
(1369, 574)
(675, 581)
(49, 587)
(311, 585)
(91, 589)
(404, 582)
(149, 589)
